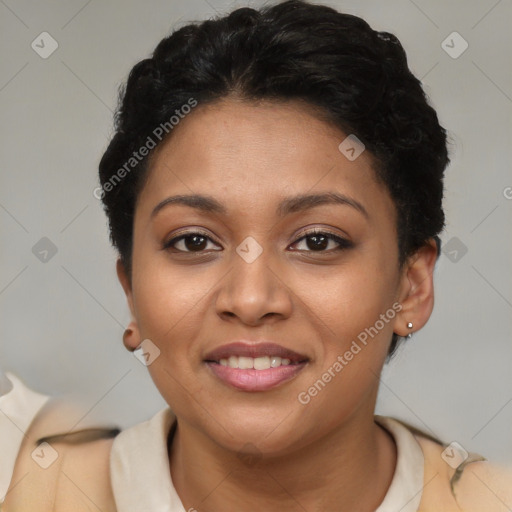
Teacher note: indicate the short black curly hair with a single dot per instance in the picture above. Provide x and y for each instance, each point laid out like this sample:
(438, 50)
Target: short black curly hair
(356, 76)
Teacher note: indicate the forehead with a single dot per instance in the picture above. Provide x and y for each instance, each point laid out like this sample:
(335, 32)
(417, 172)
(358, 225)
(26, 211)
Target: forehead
(255, 154)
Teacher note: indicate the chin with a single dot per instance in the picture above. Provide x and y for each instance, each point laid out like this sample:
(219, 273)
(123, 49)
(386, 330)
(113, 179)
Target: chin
(265, 434)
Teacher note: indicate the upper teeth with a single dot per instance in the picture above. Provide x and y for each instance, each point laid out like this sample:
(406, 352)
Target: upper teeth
(258, 363)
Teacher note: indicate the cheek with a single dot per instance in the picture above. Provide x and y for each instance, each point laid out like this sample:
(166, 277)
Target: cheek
(353, 297)
(354, 346)
(169, 307)
(356, 315)
(168, 296)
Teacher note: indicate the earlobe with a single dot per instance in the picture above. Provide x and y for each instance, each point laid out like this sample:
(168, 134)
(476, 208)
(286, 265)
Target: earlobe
(417, 290)
(131, 336)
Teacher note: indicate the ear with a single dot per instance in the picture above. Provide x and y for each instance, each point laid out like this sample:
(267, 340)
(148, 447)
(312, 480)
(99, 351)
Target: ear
(417, 290)
(131, 337)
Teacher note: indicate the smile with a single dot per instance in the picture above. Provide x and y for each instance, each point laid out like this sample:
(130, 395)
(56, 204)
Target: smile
(258, 363)
(254, 366)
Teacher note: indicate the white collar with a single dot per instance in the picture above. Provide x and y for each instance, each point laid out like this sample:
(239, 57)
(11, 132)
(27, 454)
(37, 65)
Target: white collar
(404, 493)
(139, 467)
(141, 477)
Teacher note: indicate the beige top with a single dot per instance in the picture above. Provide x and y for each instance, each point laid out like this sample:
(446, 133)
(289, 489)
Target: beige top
(141, 478)
(17, 409)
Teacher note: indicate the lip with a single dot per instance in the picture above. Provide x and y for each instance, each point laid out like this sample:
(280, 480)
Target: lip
(248, 349)
(251, 379)
(255, 380)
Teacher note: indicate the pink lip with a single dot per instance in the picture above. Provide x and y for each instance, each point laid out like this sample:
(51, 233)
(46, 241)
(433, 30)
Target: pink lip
(251, 379)
(255, 380)
(247, 349)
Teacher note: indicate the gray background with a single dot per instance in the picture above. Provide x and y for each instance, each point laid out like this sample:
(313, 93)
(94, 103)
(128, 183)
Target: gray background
(62, 320)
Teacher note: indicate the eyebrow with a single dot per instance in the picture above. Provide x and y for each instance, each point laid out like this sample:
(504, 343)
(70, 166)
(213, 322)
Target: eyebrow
(302, 202)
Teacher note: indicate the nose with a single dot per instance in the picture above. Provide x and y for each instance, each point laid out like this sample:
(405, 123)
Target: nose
(255, 292)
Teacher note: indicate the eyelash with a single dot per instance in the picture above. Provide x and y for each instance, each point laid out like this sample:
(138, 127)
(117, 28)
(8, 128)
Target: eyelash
(343, 242)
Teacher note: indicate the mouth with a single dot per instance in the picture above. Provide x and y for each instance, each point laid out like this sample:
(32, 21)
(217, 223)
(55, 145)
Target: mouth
(255, 367)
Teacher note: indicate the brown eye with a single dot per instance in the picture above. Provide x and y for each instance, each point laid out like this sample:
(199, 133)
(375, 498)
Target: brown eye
(318, 241)
(189, 242)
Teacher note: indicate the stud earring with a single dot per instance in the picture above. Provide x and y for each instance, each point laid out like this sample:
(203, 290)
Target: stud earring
(409, 326)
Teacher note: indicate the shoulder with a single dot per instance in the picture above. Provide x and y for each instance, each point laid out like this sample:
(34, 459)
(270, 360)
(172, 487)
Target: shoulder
(19, 405)
(59, 467)
(485, 486)
(457, 480)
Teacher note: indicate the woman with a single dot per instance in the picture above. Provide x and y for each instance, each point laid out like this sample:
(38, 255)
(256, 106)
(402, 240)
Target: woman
(274, 190)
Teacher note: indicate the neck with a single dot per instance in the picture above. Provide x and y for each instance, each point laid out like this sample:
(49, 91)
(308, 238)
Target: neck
(349, 469)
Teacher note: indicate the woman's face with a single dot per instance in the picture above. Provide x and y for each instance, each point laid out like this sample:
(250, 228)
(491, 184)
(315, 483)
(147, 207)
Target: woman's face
(251, 274)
